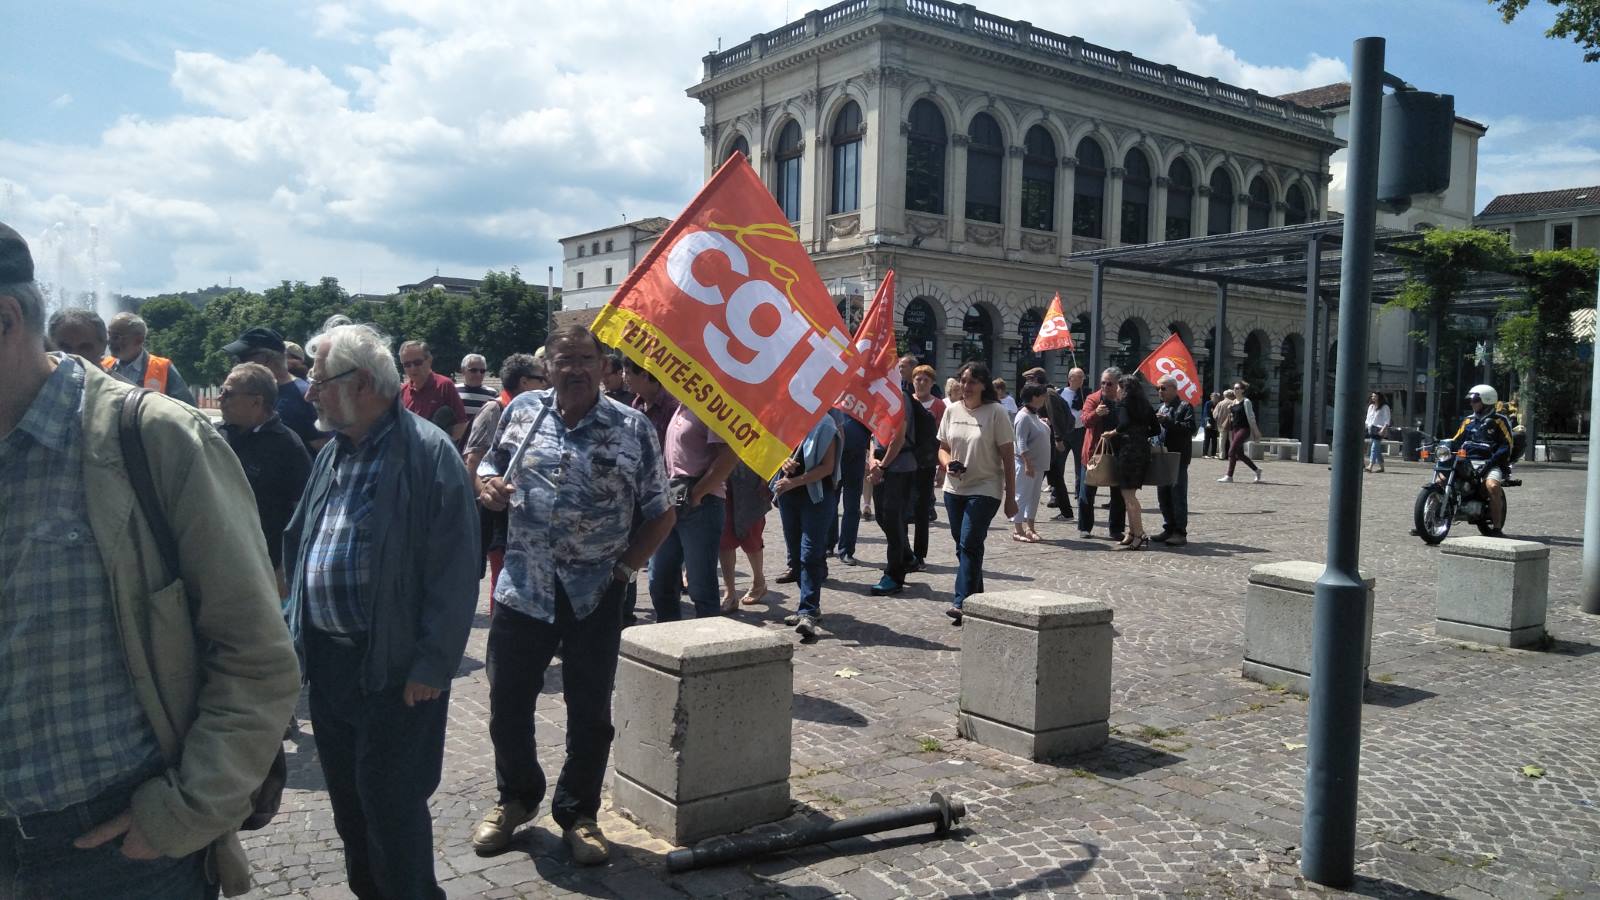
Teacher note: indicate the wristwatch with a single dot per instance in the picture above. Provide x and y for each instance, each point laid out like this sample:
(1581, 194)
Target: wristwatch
(623, 572)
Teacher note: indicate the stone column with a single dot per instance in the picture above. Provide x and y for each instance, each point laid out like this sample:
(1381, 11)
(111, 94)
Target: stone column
(1114, 207)
(1011, 199)
(1280, 210)
(883, 162)
(703, 711)
(1158, 208)
(1065, 197)
(957, 207)
(1202, 210)
(814, 175)
(1270, 426)
(1241, 213)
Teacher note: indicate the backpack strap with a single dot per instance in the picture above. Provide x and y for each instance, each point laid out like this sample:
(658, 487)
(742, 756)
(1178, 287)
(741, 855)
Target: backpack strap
(137, 462)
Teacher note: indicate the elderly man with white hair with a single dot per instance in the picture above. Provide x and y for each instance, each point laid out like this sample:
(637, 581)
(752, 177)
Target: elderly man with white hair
(381, 560)
(473, 394)
(130, 361)
(1178, 424)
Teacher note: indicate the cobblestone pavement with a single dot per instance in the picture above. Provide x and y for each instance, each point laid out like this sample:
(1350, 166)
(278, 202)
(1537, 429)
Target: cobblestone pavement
(1199, 791)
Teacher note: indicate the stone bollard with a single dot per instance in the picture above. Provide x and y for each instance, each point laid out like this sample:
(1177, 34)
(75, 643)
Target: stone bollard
(1493, 590)
(1035, 673)
(1319, 453)
(703, 712)
(1288, 452)
(1278, 623)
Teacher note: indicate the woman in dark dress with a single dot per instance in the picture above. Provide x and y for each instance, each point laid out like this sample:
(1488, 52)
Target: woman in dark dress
(1130, 447)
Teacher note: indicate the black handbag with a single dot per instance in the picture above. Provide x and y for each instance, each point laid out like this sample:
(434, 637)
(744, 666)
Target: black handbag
(269, 796)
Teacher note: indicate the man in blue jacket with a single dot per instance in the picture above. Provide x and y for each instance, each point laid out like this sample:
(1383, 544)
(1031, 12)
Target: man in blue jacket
(381, 559)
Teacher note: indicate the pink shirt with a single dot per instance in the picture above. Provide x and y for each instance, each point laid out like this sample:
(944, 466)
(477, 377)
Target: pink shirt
(691, 447)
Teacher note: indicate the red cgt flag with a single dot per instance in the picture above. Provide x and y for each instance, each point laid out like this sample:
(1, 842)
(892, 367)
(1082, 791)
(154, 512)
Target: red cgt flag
(728, 312)
(873, 397)
(1172, 358)
(1054, 333)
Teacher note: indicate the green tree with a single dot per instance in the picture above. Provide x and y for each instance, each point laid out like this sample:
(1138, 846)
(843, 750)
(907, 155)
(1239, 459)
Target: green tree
(1536, 335)
(1443, 264)
(1576, 19)
(505, 315)
(177, 331)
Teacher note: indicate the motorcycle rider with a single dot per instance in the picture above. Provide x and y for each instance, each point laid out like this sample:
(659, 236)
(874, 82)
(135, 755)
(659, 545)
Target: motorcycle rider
(1487, 435)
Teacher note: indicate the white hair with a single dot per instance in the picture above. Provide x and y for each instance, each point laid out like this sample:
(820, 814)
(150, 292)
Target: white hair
(1167, 379)
(471, 358)
(359, 347)
(132, 322)
(32, 303)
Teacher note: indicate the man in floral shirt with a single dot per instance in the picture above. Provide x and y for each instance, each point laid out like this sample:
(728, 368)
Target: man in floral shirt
(574, 467)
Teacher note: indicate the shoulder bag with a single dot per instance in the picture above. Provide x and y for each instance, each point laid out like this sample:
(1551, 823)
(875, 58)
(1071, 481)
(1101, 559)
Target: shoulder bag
(269, 796)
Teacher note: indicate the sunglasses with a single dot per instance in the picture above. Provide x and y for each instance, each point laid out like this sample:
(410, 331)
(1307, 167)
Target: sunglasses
(477, 371)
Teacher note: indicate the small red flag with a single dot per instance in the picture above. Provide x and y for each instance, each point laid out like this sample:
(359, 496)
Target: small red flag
(1054, 333)
(1172, 358)
(873, 397)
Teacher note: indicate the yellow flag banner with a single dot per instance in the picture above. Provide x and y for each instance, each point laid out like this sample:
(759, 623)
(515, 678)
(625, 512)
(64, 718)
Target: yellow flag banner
(729, 314)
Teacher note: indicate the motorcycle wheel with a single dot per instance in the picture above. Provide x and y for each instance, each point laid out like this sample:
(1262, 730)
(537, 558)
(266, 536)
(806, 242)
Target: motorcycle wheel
(1490, 528)
(1433, 524)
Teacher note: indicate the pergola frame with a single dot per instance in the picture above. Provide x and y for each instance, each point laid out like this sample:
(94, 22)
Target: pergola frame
(1300, 259)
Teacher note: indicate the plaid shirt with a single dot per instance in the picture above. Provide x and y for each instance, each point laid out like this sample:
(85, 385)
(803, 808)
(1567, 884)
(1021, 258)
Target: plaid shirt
(70, 724)
(338, 563)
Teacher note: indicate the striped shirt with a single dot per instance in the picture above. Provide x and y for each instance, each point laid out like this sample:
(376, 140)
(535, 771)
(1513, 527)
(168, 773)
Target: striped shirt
(339, 562)
(70, 724)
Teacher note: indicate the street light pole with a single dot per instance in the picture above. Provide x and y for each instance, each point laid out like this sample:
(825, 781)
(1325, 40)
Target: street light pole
(1591, 506)
(1333, 754)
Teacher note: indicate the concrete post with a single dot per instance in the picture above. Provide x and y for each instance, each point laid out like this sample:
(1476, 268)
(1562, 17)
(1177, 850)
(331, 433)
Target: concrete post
(703, 713)
(1493, 590)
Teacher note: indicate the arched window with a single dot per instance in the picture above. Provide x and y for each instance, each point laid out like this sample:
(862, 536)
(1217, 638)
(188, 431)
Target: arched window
(1219, 218)
(1259, 215)
(925, 146)
(1089, 191)
(1039, 180)
(791, 149)
(739, 145)
(986, 154)
(846, 139)
(1180, 201)
(921, 330)
(1130, 346)
(1299, 211)
(1136, 198)
(978, 344)
(1027, 332)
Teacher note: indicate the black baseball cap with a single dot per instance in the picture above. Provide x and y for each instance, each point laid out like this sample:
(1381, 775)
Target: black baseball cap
(257, 338)
(16, 261)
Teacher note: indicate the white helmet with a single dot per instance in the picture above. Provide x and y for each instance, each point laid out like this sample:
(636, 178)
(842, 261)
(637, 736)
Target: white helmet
(1484, 393)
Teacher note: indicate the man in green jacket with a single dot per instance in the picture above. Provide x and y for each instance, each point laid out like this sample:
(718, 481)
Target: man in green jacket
(139, 708)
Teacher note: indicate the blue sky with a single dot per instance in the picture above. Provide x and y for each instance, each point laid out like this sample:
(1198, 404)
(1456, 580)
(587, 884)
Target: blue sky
(170, 145)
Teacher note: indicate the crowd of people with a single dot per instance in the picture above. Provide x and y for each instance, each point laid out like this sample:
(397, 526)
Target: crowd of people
(384, 492)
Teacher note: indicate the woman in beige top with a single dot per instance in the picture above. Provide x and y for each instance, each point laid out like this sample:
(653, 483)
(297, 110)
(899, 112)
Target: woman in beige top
(977, 447)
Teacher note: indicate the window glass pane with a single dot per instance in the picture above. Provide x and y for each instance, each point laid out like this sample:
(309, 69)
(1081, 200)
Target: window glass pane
(1219, 217)
(925, 159)
(1089, 191)
(1135, 198)
(1039, 167)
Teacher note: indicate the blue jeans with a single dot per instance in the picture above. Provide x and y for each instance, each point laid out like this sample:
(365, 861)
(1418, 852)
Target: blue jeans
(1375, 451)
(38, 861)
(1174, 502)
(847, 522)
(805, 533)
(969, 526)
(692, 547)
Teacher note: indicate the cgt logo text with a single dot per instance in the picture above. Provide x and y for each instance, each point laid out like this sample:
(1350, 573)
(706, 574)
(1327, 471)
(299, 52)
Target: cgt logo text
(1186, 387)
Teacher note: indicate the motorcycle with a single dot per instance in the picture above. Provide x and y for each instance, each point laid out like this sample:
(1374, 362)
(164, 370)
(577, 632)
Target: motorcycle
(1456, 491)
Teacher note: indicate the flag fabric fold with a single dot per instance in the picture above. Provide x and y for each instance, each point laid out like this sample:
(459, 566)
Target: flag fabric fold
(1173, 358)
(1054, 332)
(873, 396)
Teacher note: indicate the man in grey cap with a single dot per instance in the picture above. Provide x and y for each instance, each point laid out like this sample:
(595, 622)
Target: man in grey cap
(111, 784)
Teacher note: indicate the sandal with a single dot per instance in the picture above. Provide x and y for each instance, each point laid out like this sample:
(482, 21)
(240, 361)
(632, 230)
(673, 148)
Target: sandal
(751, 598)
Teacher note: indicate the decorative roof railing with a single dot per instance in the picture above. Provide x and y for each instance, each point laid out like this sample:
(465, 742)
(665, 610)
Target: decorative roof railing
(966, 18)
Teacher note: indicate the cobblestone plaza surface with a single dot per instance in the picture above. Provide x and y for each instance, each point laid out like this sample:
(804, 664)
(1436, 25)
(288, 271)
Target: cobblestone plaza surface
(1198, 792)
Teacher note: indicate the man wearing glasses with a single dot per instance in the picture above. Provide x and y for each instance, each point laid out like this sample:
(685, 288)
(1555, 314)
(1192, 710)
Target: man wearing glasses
(1099, 417)
(265, 346)
(381, 563)
(274, 459)
(473, 394)
(431, 395)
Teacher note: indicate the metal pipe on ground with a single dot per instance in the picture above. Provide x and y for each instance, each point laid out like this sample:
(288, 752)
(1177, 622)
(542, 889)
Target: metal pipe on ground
(938, 812)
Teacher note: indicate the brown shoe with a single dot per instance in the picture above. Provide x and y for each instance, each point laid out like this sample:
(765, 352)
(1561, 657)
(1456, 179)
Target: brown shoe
(588, 845)
(494, 833)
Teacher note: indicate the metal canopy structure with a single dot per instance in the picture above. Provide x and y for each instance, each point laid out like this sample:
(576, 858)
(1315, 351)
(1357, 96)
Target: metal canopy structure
(1303, 259)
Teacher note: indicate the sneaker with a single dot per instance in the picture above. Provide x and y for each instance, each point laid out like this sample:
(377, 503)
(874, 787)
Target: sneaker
(1226, 479)
(1083, 535)
(1177, 540)
(494, 833)
(1258, 479)
(849, 559)
(588, 844)
(806, 627)
(792, 621)
(1061, 516)
(790, 576)
(886, 586)
(954, 613)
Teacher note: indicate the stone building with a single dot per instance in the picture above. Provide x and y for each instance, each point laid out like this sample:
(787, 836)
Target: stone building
(1546, 220)
(972, 154)
(594, 263)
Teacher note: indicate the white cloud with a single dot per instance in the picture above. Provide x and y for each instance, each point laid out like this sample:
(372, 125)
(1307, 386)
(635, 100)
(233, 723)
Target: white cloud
(62, 101)
(1520, 155)
(481, 133)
